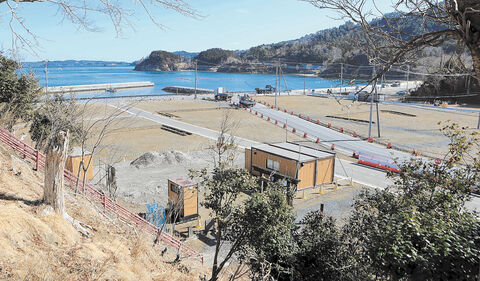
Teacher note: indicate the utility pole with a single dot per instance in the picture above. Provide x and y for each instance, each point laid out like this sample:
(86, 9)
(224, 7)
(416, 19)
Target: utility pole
(46, 76)
(277, 82)
(195, 79)
(383, 82)
(371, 105)
(341, 77)
(378, 114)
(468, 93)
(286, 130)
(408, 76)
(304, 80)
(478, 124)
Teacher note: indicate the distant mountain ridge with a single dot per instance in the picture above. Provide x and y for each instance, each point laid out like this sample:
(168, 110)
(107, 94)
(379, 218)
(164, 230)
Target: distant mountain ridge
(342, 44)
(77, 63)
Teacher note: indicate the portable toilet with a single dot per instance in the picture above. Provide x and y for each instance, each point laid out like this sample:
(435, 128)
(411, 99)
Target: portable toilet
(183, 197)
(75, 159)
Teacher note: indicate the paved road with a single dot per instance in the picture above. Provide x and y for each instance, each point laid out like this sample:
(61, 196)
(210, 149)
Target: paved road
(344, 143)
(343, 169)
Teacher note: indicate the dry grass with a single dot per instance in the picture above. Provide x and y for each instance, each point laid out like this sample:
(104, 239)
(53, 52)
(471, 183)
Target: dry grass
(40, 245)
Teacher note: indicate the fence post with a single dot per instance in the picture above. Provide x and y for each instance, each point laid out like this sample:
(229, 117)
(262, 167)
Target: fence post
(37, 162)
(24, 150)
(104, 203)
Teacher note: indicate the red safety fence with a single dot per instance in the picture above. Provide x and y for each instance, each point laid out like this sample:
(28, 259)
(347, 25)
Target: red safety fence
(379, 166)
(377, 162)
(96, 195)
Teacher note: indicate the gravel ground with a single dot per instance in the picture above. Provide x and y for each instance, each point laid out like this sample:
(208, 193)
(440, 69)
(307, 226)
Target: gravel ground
(144, 180)
(337, 203)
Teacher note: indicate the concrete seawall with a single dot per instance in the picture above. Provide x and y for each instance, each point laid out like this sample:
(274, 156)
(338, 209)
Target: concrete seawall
(97, 87)
(187, 90)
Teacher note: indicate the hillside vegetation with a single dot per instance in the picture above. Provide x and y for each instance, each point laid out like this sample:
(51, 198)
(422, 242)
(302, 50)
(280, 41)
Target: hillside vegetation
(37, 244)
(343, 44)
(162, 61)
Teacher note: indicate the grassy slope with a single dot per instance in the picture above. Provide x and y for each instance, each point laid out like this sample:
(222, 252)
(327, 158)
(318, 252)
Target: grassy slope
(39, 245)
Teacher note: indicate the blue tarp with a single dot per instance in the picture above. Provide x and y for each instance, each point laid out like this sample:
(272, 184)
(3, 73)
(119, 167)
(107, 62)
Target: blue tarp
(155, 214)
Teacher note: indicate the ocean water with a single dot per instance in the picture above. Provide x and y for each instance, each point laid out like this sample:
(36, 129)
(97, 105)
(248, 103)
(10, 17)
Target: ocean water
(208, 80)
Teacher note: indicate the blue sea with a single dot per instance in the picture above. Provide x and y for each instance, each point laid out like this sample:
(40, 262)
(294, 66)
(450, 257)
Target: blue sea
(208, 80)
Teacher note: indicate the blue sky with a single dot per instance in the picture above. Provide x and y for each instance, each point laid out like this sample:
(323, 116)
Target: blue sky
(228, 24)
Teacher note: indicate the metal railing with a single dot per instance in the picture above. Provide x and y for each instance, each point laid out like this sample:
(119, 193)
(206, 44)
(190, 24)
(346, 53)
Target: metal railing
(96, 195)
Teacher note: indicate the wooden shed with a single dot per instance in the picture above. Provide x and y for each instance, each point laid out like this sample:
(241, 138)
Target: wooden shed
(183, 196)
(74, 160)
(304, 166)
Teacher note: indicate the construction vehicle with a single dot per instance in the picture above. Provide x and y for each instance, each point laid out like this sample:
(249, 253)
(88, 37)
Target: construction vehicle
(268, 89)
(221, 94)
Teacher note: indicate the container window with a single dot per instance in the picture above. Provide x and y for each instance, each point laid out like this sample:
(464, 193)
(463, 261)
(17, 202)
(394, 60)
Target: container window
(273, 165)
(174, 188)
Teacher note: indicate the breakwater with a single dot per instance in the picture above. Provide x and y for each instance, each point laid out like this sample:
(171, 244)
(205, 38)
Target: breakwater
(187, 90)
(97, 87)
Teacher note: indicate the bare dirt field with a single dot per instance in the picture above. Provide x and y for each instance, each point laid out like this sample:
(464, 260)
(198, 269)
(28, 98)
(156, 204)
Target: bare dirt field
(405, 127)
(128, 139)
(210, 115)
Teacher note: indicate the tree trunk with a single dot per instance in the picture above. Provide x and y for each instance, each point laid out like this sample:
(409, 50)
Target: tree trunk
(468, 17)
(475, 51)
(54, 168)
(215, 268)
(57, 150)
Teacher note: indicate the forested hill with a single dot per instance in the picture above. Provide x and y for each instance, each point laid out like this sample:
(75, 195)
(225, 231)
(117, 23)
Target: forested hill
(340, 44)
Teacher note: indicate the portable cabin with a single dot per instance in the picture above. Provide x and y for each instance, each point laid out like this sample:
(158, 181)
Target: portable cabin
(74, 160)
(183, 196)
(303, 166)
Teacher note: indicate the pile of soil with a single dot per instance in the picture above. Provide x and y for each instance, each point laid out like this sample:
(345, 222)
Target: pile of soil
(151, 159)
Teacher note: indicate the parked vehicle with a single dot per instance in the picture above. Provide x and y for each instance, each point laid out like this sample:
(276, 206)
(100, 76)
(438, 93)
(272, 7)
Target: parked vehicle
(401, 93)
(395, 84)
(246, 101)
(110, 90)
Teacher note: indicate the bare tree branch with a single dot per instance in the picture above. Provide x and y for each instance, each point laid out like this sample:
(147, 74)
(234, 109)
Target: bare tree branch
(81, 12)
(387, 42)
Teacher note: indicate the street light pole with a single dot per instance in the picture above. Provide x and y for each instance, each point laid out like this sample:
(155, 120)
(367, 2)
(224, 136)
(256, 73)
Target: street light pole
(341, 77)
(277, 84)
(371, 105)
(304, 80)
(195, 79)
(378, 114)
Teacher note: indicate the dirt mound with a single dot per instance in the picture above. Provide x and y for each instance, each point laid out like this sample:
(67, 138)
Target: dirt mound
(37, 244)
(154, 158)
